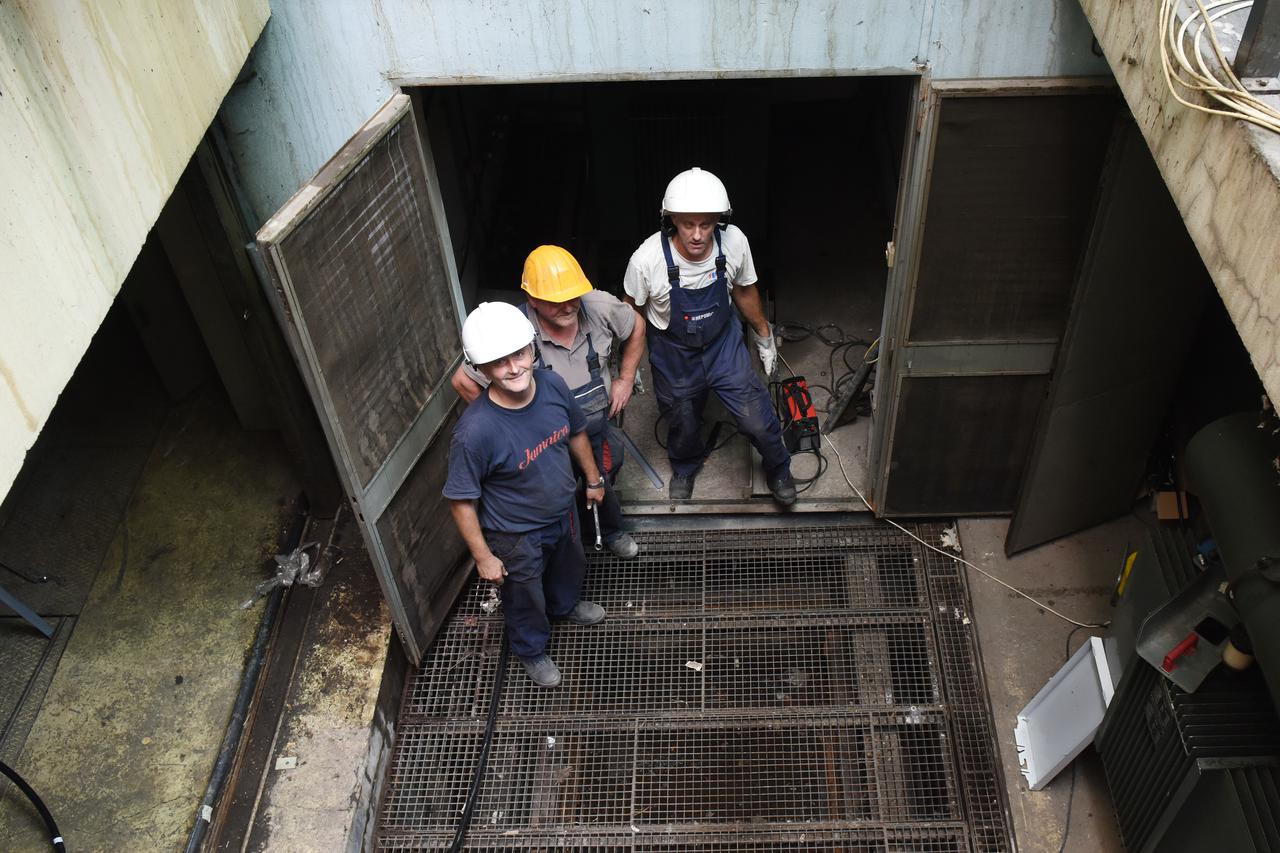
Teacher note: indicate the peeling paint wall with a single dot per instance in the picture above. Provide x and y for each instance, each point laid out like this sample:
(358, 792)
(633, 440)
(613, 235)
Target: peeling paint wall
(101, 106)
(323, 70)
(1224, 176)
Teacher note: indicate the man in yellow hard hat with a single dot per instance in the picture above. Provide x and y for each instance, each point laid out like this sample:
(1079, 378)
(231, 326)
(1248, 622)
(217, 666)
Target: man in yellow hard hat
(574, 328)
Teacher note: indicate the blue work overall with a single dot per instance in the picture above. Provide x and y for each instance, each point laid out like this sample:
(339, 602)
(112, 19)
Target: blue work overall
(594, 400)
(702, 350)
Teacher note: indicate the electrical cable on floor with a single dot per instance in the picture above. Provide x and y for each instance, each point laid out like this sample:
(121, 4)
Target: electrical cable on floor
(55, 837)
(791, 331)
(1236, 100)
(956, 557)
(464, 823)
(1071, 796)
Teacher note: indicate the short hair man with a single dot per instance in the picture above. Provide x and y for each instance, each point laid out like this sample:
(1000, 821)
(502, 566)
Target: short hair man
(511, 485)
(574, 327)
(684, 277)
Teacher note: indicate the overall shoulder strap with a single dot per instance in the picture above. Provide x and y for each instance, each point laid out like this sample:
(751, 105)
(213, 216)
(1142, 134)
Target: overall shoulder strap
(673, 271)
(721, 264)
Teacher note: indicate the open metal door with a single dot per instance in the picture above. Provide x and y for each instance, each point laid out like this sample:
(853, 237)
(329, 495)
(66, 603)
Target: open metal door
(1002, 183)
(1141, 292)
(370, 303)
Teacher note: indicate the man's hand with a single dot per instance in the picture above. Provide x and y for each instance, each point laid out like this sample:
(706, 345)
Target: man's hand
(491, 569)
(594, 495)
(768, 349)
(619, 395)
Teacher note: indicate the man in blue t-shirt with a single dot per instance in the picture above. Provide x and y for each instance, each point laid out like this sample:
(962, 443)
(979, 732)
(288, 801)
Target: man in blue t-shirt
(511, 485)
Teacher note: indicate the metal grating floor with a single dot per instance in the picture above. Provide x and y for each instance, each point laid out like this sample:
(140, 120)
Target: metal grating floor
(834, 702)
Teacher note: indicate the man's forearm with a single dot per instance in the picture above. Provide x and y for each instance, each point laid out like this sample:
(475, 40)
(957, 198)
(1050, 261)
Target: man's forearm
(632, 350)
(580, 447)
(468, 522)
(748, 301)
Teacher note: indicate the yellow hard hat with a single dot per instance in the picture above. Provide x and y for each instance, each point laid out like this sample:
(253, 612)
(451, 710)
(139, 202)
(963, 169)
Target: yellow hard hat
(552, 274)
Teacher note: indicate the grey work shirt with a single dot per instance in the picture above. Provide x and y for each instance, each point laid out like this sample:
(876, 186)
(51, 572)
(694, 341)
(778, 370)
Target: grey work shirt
(605, 316)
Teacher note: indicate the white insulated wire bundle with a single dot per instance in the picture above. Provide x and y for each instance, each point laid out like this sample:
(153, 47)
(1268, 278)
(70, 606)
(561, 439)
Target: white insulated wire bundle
(1196, 77)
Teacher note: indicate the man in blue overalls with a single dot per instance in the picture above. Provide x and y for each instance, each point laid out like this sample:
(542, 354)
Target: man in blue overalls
(511, 486)
(574, 328)
(684, 277)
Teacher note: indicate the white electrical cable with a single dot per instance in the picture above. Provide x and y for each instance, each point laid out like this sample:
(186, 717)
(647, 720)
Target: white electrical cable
(958, 559)
(1237, 102)
(979, 570)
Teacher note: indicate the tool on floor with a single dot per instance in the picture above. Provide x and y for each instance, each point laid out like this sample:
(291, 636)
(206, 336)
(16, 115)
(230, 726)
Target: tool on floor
(11, 601)
(595, 512)
(793, 404)
(799, 417)
(843, 408)
(645, 466)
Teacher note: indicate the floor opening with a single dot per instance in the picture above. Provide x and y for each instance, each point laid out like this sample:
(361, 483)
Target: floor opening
(812, 169)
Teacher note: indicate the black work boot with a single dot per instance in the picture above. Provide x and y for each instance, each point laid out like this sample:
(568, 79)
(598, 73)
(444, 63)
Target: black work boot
(586, 613)
(783, 488)
(681, 487)
(543, 670)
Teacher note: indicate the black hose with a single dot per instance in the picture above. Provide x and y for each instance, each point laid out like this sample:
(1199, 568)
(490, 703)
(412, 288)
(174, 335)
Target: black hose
(248, 686)
(55, 837)
(460, 836)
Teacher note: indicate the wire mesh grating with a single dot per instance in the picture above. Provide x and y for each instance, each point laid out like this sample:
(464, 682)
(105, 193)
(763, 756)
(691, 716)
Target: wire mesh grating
(800, 688)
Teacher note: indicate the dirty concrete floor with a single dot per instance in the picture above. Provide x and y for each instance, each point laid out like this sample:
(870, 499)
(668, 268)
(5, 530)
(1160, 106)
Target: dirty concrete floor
(1023, 646)
(126, 738)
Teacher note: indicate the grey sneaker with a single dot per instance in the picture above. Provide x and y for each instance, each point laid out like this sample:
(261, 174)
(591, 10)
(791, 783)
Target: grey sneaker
(681, 487)
(624, 546)
(585, 613)
(783, 488)
(542, 670)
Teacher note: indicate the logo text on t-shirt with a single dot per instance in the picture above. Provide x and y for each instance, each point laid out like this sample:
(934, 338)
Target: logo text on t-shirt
(532, 453)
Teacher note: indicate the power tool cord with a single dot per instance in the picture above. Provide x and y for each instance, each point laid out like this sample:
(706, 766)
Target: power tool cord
(55, 837)
(477, 780)
(955, 557)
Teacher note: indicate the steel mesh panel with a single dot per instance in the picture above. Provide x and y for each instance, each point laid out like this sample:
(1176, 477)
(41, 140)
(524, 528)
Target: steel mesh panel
(803, 688)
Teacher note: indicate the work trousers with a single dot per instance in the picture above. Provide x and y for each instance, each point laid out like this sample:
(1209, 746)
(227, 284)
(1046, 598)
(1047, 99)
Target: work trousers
(682, 379)
(545, 568)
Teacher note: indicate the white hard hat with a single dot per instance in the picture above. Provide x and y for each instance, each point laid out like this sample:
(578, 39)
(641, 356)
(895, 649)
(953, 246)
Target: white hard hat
(494, 330)
(696, 191)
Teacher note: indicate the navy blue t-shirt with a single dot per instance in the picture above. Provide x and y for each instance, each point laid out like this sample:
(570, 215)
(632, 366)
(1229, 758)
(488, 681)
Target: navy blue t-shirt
(516, 461)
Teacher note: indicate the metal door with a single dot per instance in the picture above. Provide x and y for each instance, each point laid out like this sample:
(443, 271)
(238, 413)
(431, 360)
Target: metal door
(370, 303)
(1141, 292)
(996, 207)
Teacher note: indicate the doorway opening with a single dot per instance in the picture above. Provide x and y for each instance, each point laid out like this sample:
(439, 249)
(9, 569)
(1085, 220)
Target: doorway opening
(812, 168)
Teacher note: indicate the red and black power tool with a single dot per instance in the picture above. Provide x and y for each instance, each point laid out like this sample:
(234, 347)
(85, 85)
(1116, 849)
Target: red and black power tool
(799, 417)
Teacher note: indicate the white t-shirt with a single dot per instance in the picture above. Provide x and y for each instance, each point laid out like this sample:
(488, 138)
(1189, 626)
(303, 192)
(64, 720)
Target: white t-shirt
(646, 277)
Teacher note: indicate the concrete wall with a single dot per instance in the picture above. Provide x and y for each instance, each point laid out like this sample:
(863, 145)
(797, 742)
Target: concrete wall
(1224, 176)
(101, 106)
(322, 69)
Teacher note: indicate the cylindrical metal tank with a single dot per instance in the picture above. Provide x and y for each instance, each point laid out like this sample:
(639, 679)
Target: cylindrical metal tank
(1232, 466)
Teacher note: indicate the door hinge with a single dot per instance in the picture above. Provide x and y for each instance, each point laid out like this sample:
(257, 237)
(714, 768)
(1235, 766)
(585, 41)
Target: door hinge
(890, 253)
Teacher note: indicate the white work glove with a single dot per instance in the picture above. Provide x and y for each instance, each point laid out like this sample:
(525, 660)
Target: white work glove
(768, 349)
